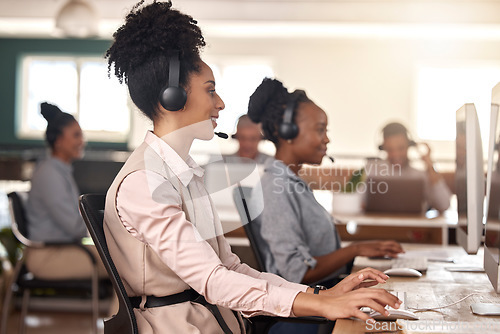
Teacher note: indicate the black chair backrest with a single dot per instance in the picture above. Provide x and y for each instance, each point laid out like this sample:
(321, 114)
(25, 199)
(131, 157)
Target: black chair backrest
(92, 210)
(241, 196)
(19, 213)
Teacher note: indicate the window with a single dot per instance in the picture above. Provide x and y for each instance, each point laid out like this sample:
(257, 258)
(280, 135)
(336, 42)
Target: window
(79, 86)
(442, 90)
(236, 79)
(235, 83)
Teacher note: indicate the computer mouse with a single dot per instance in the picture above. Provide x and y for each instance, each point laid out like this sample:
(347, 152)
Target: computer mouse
(407, 272)
(394, 315)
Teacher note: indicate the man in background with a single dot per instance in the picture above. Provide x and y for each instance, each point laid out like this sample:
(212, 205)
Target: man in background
(249, 136)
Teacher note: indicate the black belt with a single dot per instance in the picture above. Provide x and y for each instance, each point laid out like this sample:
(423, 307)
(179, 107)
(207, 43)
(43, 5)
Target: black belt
(185, 296)
(153, 301)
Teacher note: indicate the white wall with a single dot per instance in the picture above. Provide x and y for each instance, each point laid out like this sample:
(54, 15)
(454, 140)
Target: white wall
(361, 83)
(362, 70)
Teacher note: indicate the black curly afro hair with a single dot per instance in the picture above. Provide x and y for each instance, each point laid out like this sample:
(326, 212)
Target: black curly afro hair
(267, 106)
(143, 45)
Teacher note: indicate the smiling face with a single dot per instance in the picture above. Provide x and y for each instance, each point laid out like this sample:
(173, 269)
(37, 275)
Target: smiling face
(69, 145)
(310, 144)
(203, 103)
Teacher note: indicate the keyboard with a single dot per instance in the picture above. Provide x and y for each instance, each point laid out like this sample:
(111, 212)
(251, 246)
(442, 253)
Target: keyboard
(401, 313)
(417, 263)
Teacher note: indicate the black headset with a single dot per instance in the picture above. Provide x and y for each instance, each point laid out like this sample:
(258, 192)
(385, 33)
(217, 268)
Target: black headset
(173, 97)
(288, 129)
(404, 131)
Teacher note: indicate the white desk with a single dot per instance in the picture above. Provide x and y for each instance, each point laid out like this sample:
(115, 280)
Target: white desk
(438, 287)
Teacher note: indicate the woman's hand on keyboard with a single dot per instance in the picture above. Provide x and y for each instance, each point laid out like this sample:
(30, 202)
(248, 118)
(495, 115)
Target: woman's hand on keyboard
(362, 279)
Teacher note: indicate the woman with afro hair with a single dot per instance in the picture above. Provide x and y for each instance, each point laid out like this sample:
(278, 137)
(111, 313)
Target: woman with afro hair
(161, 228)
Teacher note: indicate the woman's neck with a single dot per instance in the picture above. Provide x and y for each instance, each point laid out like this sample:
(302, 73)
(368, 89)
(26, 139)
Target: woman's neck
(289, 160)
(180, 140)
(63, 157)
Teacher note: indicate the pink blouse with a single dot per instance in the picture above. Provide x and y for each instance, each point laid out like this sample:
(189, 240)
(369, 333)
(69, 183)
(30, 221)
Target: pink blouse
(151, 210)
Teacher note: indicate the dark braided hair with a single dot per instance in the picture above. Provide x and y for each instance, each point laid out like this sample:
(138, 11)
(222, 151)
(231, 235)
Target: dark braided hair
(143, 45)
(56, 122)
(267, 106)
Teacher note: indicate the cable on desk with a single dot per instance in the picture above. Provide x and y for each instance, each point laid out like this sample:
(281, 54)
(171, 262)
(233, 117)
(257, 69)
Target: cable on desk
(437, 308)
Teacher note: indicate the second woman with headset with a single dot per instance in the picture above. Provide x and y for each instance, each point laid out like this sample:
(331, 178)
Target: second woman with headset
(297, 236)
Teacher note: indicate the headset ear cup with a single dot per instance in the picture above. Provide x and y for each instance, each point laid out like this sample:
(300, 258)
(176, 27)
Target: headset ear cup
(173, 98)
(288, 130)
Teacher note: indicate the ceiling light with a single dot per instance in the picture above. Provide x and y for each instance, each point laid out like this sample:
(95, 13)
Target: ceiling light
(78, 19)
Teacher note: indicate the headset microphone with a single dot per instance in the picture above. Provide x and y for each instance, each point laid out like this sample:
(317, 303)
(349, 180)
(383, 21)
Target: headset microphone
(222, 135)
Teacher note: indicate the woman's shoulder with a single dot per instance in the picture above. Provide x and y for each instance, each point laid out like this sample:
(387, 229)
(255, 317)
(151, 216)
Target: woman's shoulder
(47, 167)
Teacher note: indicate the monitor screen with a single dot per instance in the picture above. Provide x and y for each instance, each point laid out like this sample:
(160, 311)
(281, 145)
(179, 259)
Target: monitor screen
(492, 205)
(469, 179)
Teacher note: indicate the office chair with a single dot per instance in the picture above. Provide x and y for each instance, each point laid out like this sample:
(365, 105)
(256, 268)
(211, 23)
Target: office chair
(241, 195)
(262, 324)
(25, 281)
(92, 210)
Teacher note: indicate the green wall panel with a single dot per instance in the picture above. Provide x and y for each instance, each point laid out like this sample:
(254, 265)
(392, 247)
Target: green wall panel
(11, 51)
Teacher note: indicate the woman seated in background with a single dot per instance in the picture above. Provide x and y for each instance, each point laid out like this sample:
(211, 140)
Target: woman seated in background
(52, 207)
(161, 227)
(396, 143)
(297, 236)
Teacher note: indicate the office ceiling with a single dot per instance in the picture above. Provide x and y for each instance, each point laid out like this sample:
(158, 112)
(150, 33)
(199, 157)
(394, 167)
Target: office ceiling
(230, 17)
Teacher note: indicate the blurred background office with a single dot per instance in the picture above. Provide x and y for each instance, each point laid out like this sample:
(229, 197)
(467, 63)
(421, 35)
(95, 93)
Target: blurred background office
(364, 62)
(249, 135)
(383, 60)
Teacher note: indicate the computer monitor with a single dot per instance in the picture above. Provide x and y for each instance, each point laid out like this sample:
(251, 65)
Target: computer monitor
(395, 194)
(469, 179)
(492, 205)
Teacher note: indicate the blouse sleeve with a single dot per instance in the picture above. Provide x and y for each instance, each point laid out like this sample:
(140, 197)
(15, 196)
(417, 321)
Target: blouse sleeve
(161, 223)
(233, 262)
(439, 195)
